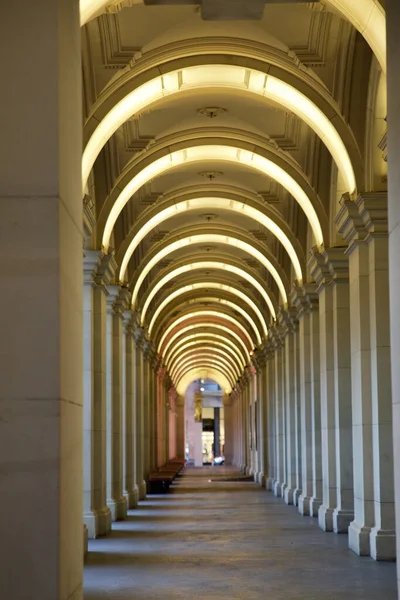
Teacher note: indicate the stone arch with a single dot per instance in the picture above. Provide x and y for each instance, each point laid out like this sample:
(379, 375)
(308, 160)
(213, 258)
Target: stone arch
(225, 198)
(253, 70)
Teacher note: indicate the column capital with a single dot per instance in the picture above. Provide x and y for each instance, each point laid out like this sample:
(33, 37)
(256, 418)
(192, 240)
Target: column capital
(118, 299)
(287, 320)
(304, 298)
(275, 337)
(329, 266)
(362, 219)
(99, 267)
(138, 336)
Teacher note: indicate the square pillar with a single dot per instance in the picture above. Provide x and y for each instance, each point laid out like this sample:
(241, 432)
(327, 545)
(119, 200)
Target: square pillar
(363, 225)
(41, 391)
(330, 270)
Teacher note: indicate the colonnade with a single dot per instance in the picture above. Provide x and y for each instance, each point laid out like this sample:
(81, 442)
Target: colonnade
(313, 414)
(129, 401)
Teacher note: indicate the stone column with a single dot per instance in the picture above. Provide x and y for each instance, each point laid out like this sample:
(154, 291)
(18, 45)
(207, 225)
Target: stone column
(330, 269)
(117, 300)
(305, 298)
(41, 404)
(99, 271)
(288, 326)
(279, 397)
(271, 431)
(180, 427)
(363, 225)
(138, 419)
(147, 357)
(262, 425)
(130, 489)
(393, 58)
(316, 499)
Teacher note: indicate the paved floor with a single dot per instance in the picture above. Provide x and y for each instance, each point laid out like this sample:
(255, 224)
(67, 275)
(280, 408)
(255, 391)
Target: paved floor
(213, 540)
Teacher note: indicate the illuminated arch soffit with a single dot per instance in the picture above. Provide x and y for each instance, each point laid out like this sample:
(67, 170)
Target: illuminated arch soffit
(217, 153)
(200, 338)
(206, 264)
(367, 16)
(225, 77)
(205, 350)
(209, 363)
(209, 286)
(217, 326)
(204, 313)
(202, 358)
(215, 204)
(197, 373)
(211, 238)
(229, 304)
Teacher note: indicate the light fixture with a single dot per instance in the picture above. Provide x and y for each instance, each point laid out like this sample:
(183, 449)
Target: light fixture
(208, 285)
(219, 76)
(216, 239)
(204, 313)
(216, 153)
(202, 389)
(367, 16)
(227, 204)
(205, 265)
(217, 326)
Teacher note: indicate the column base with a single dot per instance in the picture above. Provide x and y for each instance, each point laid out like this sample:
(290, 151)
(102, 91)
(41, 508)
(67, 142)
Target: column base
(85, 541)
(98, 522)
(118, 508)
(315, 503)
(262, 479)
(277, 489)
(142, 488)
(304, 505)
(270, 484)
(382, 544)
(296, 496)
(325, 518)
(342, 520)
(131, 498)
(359, 539)
(288, 495)
(248, 471)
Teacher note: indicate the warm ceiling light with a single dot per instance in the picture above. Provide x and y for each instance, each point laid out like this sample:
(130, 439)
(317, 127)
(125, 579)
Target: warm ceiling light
(367, 16)
(203, 359)
(217, 153)
(202, 350)
(207, 363)
(218, 76)
(204, 313)
(202, 381)
(215, 374)
(209, 338)
(212, 238)
(210, 351)
(205, 324)
(205, 265)
(212, 286)
(209, 203)
(235, 307)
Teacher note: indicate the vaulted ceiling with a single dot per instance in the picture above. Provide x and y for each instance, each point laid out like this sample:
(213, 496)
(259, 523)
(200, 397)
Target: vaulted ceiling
(209, 253)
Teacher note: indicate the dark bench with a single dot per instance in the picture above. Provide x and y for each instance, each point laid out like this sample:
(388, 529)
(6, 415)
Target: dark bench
(159, 481)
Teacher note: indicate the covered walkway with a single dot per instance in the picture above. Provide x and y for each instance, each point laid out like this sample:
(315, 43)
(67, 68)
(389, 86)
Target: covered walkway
(228, 540)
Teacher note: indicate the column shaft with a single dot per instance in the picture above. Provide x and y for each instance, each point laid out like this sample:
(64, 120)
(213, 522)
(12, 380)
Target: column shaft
(393, 58)
(130, 490)
(41, 404)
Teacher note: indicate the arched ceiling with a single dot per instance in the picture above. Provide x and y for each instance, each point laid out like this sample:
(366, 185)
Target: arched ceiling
(213, 150)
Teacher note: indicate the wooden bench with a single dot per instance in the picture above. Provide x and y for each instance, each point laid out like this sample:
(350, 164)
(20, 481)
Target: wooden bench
(159, 481)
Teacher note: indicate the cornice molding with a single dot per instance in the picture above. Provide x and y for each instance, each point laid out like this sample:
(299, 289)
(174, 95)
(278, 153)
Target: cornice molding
(363, 219)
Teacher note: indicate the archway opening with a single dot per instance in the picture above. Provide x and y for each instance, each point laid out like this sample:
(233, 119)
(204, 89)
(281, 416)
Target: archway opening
(204, 424)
